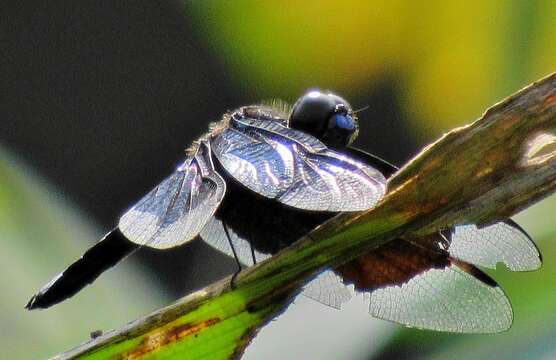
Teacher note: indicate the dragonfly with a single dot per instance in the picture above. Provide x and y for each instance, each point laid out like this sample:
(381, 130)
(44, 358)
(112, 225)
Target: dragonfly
(265, 175)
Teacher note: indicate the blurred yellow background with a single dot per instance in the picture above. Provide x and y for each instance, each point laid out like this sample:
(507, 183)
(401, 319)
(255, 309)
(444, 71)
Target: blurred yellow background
(450, 59)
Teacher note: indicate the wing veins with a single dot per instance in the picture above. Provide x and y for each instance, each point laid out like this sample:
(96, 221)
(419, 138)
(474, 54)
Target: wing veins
(146, 224)
(285, 135)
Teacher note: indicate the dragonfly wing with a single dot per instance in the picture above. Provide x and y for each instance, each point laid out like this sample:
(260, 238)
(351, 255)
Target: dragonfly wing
(327, 288)
(295, 168)
(448, 299)
(179, 207)
(504, 242)
(418, 287)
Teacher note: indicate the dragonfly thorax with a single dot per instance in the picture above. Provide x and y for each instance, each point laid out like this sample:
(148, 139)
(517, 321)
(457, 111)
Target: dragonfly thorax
(326, 116)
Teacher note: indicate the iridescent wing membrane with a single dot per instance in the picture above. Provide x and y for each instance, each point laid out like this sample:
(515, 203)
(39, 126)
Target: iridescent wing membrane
(267, 157)
(295, 168)
(179, 207)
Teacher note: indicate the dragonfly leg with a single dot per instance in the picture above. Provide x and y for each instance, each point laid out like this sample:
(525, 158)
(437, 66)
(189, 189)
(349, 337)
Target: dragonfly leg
(239, 268)
(252, 249)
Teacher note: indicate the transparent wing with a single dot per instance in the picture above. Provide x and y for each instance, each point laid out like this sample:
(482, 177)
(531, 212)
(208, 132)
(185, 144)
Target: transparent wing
(179, 207)
(503, 242)
(295, 168)
(448, 299)
(214, 235)
(328, 289)
(424, 288)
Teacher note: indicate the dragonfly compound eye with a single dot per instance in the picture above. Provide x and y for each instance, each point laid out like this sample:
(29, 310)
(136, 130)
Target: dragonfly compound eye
(326, 116)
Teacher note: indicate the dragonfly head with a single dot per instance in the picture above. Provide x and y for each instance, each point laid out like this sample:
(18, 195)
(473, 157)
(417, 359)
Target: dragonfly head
(326, 116)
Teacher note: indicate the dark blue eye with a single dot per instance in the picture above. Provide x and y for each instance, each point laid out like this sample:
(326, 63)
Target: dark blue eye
(344, 121)
(326, 116)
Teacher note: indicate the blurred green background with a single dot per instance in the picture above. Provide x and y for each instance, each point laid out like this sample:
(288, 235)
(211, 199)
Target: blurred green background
(99, 100)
